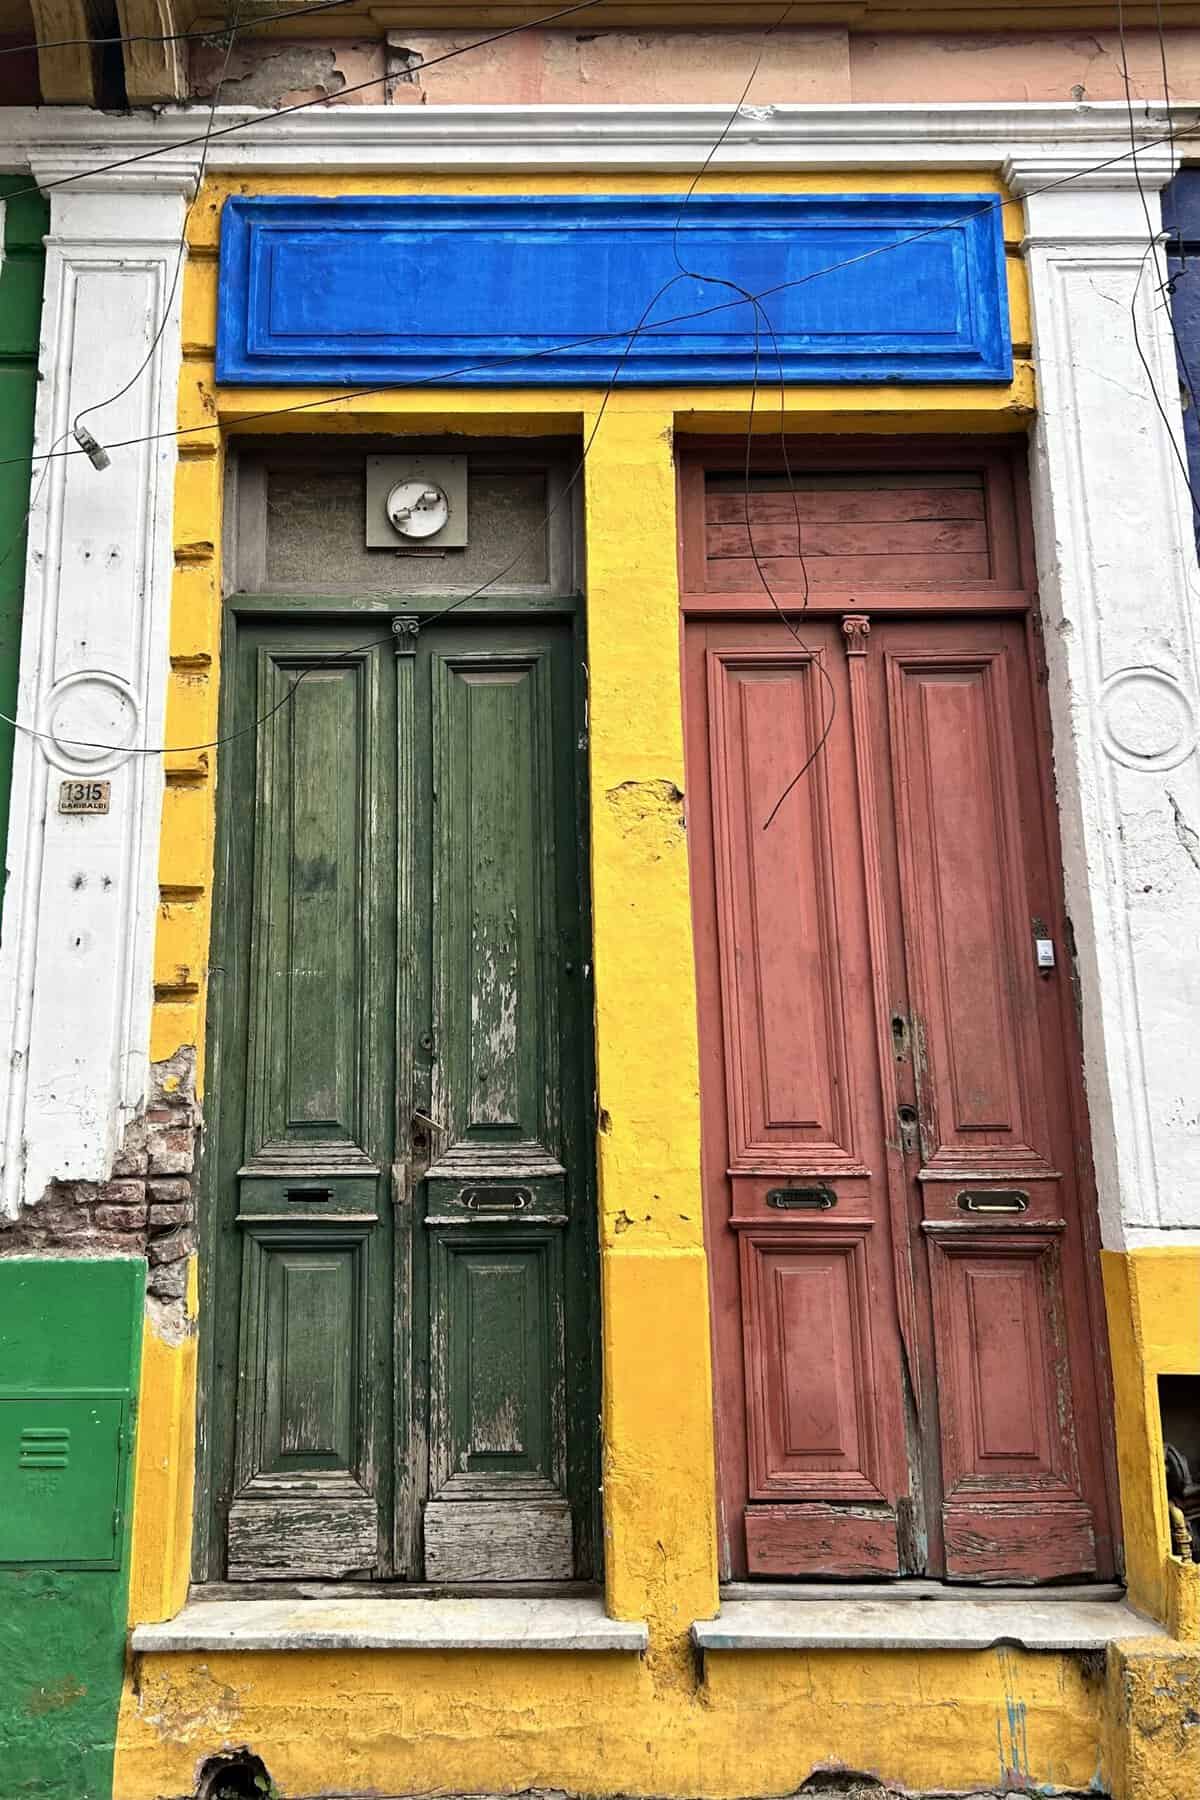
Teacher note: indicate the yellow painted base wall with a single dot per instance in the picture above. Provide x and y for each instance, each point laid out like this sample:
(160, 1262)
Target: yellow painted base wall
(408, 1722)
(747, 1724)
(1153, 1303)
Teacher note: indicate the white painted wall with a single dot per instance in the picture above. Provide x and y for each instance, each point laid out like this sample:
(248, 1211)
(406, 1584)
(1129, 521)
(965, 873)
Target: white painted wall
(75, 953)
(1119, 587)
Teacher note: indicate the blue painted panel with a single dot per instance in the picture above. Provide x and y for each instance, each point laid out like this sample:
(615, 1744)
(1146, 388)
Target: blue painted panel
(500, 291)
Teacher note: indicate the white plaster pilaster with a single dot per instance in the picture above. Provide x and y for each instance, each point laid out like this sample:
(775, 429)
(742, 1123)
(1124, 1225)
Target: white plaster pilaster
(77, 941)
(1119, 591)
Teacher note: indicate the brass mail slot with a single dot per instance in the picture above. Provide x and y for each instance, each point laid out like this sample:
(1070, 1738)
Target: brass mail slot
(992, 1200)
(497, 1199)
(802, 1199)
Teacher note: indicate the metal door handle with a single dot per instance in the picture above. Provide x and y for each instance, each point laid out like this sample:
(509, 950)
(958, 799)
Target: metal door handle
(802, 1199)
(992, 1200)
(496, 1199)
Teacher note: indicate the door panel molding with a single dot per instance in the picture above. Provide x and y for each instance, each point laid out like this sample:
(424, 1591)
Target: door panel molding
(497, 1406)
(847, 1542)
(812, 1427)
(495, 1001)
(307, 1412)
(968, 934)
(1013, 1503)
(765, 717)
(314, 926)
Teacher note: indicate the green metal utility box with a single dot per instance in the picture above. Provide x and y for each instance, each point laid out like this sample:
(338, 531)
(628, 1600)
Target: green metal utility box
(70, 1350)
(62, 1467)
(68, 1361)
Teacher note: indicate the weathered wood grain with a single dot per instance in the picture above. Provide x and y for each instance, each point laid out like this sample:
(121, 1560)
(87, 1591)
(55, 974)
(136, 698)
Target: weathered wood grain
(821, 1540)
(483, 1540)
(845, 502)
(943, 537)
(1018, 1542)
(302, 1537)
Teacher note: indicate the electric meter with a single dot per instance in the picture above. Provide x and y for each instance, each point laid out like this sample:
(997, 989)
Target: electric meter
(418, 508)
(416, 503)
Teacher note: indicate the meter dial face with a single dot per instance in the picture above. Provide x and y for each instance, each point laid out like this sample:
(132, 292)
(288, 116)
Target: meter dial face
(417, 509)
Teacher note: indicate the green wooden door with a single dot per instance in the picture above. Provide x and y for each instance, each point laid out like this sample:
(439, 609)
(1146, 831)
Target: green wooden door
(400, 1292)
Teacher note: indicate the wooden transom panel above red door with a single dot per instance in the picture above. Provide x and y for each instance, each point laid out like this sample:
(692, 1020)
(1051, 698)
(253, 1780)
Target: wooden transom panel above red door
(813, 528)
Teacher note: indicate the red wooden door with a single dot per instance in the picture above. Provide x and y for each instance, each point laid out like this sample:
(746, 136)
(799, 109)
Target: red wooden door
(894, 1148)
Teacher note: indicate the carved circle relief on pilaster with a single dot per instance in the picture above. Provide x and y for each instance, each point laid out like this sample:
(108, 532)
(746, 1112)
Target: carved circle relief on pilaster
(91, 720)
(1148, 721)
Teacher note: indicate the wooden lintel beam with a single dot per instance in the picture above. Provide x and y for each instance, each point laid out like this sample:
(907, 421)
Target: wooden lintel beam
(67, 76)
(155, 70)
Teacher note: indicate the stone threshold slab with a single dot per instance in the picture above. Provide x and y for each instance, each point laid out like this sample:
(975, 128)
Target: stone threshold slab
(894, 1624)
(919, 1588)
(392, 1624)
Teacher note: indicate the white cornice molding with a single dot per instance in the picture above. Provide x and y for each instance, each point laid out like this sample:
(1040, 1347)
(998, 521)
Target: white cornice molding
(1036, 171)
(1033, 141)
(59, 167)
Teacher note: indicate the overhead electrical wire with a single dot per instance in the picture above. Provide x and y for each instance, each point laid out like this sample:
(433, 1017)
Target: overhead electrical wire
(82, 436)
(999, 204)
(95, 452)
(298, 106)
(761, 316)
(214, 36)
(462, 600)
(631, 336)
(465, 599)
(1153, 240)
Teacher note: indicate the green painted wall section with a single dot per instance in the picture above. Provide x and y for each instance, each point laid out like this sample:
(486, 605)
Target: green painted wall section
(70, 1342)
(25, 221)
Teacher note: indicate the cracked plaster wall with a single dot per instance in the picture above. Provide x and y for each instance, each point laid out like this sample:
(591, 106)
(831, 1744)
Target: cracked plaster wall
(801, 64)
(146, 1208)
(282, 72)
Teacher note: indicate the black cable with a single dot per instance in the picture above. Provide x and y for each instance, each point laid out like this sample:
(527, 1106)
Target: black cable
(462, 600)
(1152, 237)
(815, 661)
(91, 449)
(449, 375)
(100, 405)
(168, 37)
(1169, 286)
(283, 112)
(745, 296)
(760, 313)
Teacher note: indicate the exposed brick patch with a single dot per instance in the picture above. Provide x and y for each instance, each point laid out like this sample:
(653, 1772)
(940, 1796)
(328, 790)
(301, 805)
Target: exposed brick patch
(147, 1207)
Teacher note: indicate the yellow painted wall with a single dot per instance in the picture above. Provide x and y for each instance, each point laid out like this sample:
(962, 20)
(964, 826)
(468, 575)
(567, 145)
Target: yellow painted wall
(405, 1722)
(1153, 1303)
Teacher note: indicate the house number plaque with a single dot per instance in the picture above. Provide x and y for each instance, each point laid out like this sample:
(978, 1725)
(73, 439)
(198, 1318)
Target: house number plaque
(84, 796)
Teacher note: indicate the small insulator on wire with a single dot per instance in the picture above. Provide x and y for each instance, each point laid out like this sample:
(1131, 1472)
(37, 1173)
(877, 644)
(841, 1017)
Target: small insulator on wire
(96, 454)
